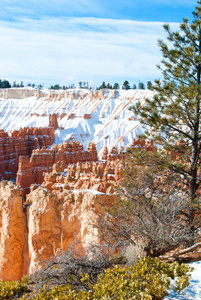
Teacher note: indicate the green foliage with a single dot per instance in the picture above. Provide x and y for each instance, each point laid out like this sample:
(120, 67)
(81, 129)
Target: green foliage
(59, 292)
(148, 279)
(108, 86)
(116, 86)
(126, 85)
(173, 116)
(141, 86)
(149, 85)
(174, 112)
(4, 84)
(83, 85)
(55, 87)
(102, 86)
(10, 289)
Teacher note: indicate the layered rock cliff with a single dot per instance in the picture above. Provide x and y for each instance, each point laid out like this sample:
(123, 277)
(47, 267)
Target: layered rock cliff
(22, 142)
(42, 160)
(46, 225)
(19, 93)
(101, 116)
(100, 176)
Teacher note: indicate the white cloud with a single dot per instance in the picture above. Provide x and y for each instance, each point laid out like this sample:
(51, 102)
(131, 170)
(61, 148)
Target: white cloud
(55, 50)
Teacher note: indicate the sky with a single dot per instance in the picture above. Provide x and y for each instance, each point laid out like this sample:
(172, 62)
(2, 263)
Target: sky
(66, 41)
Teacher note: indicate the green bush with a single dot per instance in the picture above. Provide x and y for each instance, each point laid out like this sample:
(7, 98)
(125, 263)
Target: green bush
(60, 293)
(9, 289)
(148, 279)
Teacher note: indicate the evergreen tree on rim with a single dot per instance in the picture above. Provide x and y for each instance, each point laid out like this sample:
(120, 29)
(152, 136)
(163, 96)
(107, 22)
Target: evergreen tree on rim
(173, 115)
(126, 85)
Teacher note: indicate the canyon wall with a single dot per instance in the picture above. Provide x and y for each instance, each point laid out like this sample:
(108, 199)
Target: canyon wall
(23, 142)
(61, 209)
(100, 116)
(100, 176)
(46, 225)
(74, 167)
(32, 170)
(19, 93)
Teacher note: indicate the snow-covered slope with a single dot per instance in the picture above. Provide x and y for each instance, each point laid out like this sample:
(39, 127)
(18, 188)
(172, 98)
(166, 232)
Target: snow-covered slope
(110, 123)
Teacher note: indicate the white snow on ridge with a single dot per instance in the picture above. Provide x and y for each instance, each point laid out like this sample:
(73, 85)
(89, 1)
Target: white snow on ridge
(111, 123)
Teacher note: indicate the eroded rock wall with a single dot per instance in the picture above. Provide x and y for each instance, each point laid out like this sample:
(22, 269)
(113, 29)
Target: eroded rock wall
(101, 176)
(13, 233)
(21, 142)
(42, 160)
(19, 93)
(47, 224)
(55, 221)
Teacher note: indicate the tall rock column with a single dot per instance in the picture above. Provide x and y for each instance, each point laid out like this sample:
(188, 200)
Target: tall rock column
(13, 233)
(44, 235)
(55, 221)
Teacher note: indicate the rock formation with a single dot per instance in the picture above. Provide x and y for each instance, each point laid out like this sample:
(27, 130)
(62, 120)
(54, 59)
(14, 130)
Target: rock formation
(19, 143)
(53, 120)
(101, 176)
(19, 93)
(113, 154)
(148, 146)
(48, 224)
(42, 160)
(77, 110)
(55, 220)
(13, 233)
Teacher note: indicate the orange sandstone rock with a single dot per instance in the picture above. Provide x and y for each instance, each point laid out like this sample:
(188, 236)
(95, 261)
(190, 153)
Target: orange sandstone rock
(98, 176)
(142, 144)
(55, 220)
(21, 142)
(47, 224)
(13, 233)
(42, 160)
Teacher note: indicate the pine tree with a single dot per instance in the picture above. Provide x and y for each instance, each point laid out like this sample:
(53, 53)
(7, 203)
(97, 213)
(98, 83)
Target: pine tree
(174, 114)
(116, 86)
(4, 84)
(103, 85)
(149, 85)
(141, 86)
(126, 85)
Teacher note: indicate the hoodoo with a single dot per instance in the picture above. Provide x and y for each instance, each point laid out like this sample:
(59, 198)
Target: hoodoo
(46, 225)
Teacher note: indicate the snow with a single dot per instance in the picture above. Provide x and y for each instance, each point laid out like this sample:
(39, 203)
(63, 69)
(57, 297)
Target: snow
(193, 292)
(110, 117)
(94, 192)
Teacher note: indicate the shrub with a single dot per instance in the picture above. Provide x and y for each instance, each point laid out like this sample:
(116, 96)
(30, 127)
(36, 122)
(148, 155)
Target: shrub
(134, 252)
(10, 289)
(148, 279)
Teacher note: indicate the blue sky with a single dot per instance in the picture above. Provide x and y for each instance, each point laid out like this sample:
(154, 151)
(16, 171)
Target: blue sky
(66, 41)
